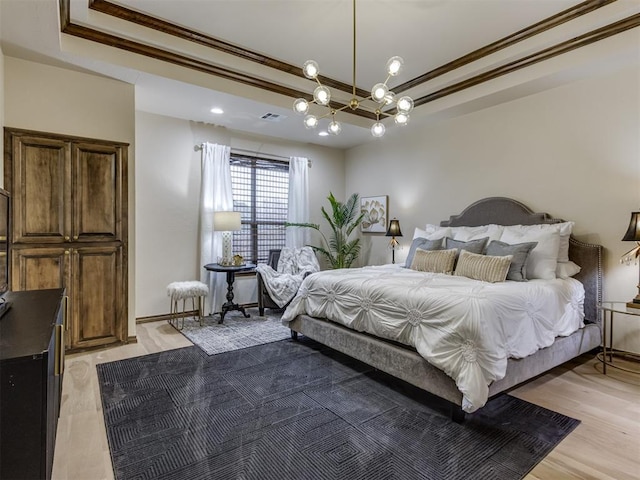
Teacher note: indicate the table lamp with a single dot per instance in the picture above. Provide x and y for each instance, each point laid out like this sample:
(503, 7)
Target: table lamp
(393, 232)
(633, 235)
(226, 222)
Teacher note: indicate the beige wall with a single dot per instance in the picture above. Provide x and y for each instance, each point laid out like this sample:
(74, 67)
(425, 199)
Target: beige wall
(573, 152)
(167, 197)
(49, 99)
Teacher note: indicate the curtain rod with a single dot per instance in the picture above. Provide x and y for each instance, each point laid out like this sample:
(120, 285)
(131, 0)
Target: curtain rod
(198, 148)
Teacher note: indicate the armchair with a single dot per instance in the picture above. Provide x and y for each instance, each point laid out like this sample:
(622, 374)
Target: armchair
(264, 300)
(276, 288)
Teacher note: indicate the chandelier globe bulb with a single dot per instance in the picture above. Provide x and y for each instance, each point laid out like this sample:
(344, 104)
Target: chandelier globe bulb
(401, 118)
(310, 69)
(300, 106)
(404, 104)
(389, 98)
(310, 122)
(322, 95)
(379, 92)
(334, 128)
(394, 66)
(378, 129)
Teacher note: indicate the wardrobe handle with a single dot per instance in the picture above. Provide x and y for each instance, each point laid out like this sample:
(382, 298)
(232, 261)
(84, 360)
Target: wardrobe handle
(66, 252)
(66, 238)
(75, 237)
(65, 319)
(58, 351)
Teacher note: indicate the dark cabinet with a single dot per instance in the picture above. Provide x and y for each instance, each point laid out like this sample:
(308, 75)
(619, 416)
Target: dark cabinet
(31, 371)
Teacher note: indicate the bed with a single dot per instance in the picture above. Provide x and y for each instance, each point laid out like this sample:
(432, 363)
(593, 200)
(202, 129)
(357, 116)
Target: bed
(405, 362)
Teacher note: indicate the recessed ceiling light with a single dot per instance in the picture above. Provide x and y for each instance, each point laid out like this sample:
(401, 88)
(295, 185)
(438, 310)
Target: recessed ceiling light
(217, 110)
(323, 133)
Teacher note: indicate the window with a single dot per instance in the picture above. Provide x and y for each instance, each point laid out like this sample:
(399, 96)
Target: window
(260, 194)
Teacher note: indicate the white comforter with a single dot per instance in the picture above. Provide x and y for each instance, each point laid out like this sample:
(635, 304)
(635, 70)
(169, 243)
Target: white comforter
(465, 327)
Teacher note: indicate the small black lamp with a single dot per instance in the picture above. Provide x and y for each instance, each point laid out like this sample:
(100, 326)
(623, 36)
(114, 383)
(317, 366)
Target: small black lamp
(633, 235)
(393, 232)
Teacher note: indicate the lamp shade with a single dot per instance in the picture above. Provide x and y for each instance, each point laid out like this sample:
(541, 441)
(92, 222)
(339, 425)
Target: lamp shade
(226, 221)
(394, 229)
(633, 232)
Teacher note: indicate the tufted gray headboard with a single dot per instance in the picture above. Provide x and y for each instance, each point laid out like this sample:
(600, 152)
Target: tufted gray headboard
(506, 211)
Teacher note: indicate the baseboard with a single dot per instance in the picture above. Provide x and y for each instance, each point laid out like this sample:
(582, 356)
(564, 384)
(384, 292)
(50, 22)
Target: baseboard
(132, 339)
(166, 316)
(190, 313)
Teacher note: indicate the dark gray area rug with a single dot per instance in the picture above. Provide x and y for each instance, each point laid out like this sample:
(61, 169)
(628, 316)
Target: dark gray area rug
(236, 332)
(299, 410)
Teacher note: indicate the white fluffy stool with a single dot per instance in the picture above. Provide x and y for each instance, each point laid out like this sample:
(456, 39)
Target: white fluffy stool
(184, 291)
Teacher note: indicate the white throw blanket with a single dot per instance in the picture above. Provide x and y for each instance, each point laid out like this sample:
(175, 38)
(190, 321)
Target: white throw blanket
(465, 327)
(293, 265)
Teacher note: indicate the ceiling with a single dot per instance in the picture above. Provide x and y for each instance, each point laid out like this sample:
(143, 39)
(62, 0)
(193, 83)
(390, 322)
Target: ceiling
(187, 56)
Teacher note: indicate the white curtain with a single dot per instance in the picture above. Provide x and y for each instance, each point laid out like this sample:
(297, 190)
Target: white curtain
(215, 194)
(298, 202)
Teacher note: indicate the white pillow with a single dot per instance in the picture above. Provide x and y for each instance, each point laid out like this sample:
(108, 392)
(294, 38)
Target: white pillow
(564, 229)
(433, 232)
(543, 259)
(567, 269)
(474, 233)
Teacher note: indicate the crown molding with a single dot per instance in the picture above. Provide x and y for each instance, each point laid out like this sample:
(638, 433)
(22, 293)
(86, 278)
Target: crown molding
(106, 7)
(558, 49)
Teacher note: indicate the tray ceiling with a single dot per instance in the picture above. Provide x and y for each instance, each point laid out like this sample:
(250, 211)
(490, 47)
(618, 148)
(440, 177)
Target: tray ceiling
(186, 56)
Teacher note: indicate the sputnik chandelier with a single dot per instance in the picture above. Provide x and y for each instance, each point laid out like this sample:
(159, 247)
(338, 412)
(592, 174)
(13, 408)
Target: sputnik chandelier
(380, 94)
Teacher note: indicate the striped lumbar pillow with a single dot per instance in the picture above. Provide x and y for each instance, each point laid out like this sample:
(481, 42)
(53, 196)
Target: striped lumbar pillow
(483, 267)
(434, 261)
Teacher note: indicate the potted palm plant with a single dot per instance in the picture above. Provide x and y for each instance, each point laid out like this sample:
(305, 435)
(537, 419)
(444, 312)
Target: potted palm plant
(338, 250)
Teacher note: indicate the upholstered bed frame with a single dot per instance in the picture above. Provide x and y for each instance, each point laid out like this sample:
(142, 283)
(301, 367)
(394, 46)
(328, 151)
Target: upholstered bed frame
(405, 363)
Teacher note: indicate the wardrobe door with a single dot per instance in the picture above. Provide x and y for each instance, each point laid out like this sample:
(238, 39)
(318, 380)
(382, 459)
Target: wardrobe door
(39, 268)
(97, 313)
(40, 187)
(97, 192)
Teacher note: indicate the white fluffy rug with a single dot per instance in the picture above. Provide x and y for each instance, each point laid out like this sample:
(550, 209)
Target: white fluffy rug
(236, 332)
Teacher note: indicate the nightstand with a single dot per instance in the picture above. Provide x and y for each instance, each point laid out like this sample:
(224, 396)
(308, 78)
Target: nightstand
(609, 309)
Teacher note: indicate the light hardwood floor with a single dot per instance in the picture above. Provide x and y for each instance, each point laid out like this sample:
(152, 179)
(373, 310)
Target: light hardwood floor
(606, 445)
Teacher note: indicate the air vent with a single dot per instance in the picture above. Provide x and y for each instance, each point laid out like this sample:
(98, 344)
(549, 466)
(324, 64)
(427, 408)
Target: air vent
(273, 117)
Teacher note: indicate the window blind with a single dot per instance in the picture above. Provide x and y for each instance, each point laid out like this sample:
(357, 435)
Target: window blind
(260, 194)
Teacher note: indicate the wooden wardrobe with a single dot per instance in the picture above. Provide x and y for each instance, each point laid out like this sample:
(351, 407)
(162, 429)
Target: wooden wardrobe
(69, 228)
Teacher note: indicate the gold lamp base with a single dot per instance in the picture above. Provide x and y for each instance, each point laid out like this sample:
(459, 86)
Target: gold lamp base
(635, 303)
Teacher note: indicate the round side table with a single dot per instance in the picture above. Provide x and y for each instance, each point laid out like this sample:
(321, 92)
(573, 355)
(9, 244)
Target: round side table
(607, 355)
(230, 270)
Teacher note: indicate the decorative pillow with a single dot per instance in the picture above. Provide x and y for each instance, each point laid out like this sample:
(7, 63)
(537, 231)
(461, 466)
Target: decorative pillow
(543, 259)
(473, 246)
(435, 261)
(423, 244)
(473, 233)
(567, 269)
(483, 267)
(520, 253)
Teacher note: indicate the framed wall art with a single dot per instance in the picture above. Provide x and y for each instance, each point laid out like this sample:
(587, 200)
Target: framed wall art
(375, 214)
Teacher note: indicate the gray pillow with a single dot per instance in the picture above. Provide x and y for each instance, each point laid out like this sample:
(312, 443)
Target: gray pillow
(424, 244)
(473, 246)
(520, 252)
